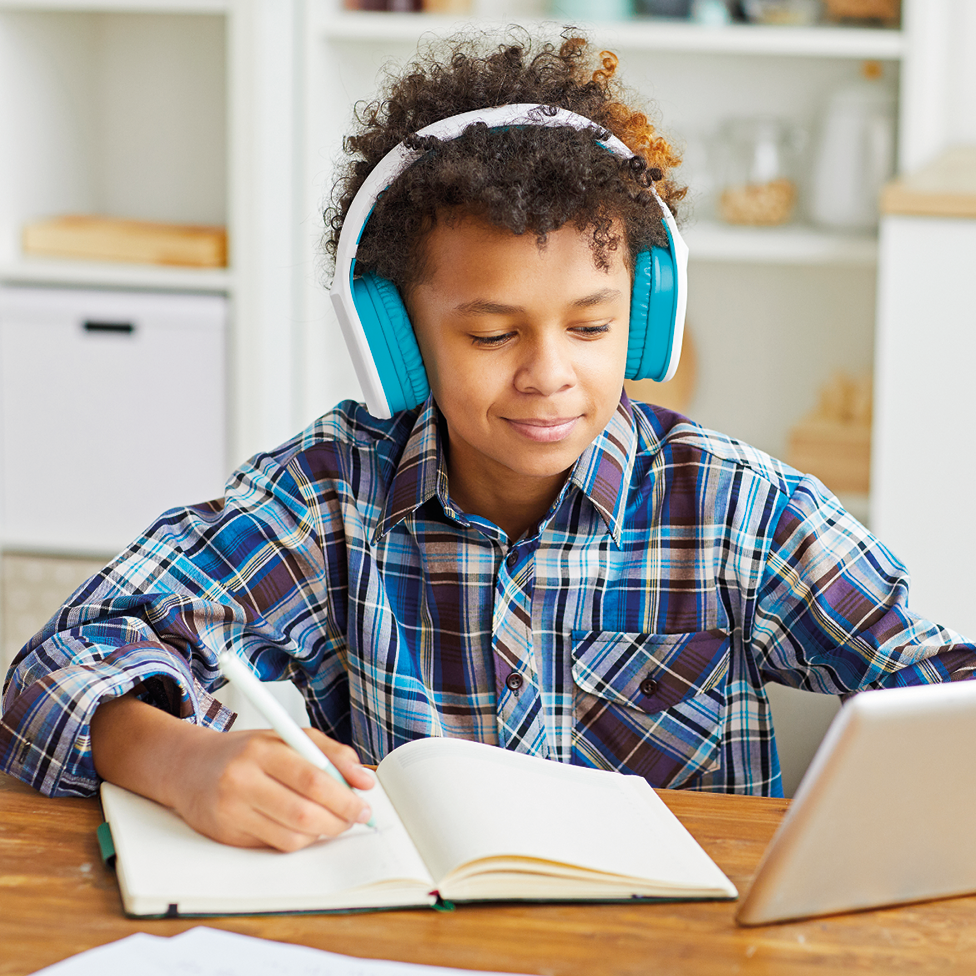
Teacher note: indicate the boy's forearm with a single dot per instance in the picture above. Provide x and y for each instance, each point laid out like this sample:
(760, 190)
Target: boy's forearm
(141, 748)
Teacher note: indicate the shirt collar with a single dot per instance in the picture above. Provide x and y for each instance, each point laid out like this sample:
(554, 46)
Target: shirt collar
(602, 472)
(420, 474)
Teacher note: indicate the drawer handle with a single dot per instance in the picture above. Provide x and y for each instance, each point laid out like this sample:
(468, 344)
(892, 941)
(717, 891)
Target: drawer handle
(119, 328)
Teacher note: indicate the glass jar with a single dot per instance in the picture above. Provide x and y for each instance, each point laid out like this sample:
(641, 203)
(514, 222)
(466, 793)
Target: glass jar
(757, 166)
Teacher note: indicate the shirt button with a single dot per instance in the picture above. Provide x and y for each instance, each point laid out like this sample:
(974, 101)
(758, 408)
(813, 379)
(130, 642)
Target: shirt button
(648, 686)
(512, 558)
(514, 681)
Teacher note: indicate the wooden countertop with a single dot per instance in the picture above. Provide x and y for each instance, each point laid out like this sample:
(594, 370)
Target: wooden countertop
(945, 188)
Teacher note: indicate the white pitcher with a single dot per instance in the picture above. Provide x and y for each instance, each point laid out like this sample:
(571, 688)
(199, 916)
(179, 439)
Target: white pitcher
(855, 155)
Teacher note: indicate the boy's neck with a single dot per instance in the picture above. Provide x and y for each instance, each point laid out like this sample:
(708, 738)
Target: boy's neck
(514, 504)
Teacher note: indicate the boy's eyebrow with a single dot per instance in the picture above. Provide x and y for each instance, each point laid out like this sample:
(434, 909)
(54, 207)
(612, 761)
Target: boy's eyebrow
(597, 298)
(482, 306)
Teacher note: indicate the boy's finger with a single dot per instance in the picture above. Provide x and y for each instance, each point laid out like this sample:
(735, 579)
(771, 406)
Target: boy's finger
(263, 830)
(345, 759)
(318, 787)
(299, 818)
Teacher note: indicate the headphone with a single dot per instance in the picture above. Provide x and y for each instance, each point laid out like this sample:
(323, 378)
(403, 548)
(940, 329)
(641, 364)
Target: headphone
(374, 321)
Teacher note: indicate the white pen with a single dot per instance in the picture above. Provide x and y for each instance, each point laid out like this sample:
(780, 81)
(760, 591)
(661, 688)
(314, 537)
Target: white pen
(240, 676)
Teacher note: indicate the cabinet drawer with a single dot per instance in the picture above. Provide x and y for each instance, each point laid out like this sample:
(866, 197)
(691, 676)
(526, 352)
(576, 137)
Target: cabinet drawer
(113, 410)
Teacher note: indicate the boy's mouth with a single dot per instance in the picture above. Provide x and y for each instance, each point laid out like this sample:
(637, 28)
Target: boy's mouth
(544, 430)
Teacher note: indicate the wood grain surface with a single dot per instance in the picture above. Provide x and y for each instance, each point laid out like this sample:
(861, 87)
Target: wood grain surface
(946, 187)
(57, 898)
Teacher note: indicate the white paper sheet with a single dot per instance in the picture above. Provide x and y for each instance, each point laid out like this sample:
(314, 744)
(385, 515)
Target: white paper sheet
(140, 953)
(204, 951)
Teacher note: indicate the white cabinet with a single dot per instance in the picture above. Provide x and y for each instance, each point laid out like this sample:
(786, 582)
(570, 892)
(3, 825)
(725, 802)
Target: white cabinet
(113, 410)
(924, 464)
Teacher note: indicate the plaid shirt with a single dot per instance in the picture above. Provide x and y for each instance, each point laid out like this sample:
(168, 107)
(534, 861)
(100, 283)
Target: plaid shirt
(677, 571)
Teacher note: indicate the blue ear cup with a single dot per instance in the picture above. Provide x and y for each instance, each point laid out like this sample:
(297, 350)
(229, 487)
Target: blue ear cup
(653, 307)
(392, 342)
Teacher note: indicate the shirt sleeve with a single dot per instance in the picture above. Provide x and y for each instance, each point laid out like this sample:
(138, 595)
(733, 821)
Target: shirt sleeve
(242, 572)
(832, 611)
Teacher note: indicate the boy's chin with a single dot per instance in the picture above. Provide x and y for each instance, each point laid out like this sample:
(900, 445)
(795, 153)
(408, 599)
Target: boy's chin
(543, 460)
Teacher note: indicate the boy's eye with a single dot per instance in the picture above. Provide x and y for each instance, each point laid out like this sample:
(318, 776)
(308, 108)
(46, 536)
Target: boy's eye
(491, 340)
(585, 331)
(592, 330)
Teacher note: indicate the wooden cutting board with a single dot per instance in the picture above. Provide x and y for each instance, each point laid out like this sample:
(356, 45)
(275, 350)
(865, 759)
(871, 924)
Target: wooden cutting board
(95, 238)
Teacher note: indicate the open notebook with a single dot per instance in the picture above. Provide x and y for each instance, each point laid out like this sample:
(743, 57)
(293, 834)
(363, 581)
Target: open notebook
(884, 813)
(455, 820)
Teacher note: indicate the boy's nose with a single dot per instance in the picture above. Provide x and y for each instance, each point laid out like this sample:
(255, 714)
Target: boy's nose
(546, 368)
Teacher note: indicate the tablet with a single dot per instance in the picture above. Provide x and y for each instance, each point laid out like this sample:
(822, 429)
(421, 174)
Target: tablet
(883, 815)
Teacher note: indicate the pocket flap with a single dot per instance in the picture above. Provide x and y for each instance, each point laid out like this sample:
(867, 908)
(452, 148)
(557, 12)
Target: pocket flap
(651, 672)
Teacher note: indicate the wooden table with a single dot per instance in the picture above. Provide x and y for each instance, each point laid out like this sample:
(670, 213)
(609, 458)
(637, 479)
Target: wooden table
(57, 898)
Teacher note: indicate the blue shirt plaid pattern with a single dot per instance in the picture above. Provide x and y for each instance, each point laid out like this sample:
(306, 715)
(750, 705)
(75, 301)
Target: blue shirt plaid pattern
(634, 628)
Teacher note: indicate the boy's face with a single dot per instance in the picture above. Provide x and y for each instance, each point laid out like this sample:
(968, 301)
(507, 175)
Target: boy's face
(525, 348)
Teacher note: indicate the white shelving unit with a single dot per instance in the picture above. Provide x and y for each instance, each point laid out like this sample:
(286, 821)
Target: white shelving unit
(232, 111)
(120, 110)
(264, 92)
(790, 245)
(171, 110)
(97, 274)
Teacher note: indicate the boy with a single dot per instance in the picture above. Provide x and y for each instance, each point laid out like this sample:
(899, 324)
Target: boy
(525, 558)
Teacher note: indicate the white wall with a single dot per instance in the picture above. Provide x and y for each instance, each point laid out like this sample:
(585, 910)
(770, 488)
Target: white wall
(940, 80)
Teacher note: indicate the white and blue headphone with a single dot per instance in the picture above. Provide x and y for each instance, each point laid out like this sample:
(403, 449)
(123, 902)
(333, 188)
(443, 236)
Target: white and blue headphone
(375, 323)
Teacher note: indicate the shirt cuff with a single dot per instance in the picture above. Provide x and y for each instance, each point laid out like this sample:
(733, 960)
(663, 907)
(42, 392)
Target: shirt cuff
(45, 735)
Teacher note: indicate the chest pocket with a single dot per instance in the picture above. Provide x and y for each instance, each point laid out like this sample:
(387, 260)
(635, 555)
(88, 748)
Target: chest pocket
(650, 704)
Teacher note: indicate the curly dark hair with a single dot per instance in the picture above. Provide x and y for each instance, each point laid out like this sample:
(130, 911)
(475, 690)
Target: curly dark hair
(526, 179)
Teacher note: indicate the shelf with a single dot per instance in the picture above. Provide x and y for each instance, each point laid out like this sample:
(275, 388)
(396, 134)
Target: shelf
(795, 244)
(93, 274)
(643, 35)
